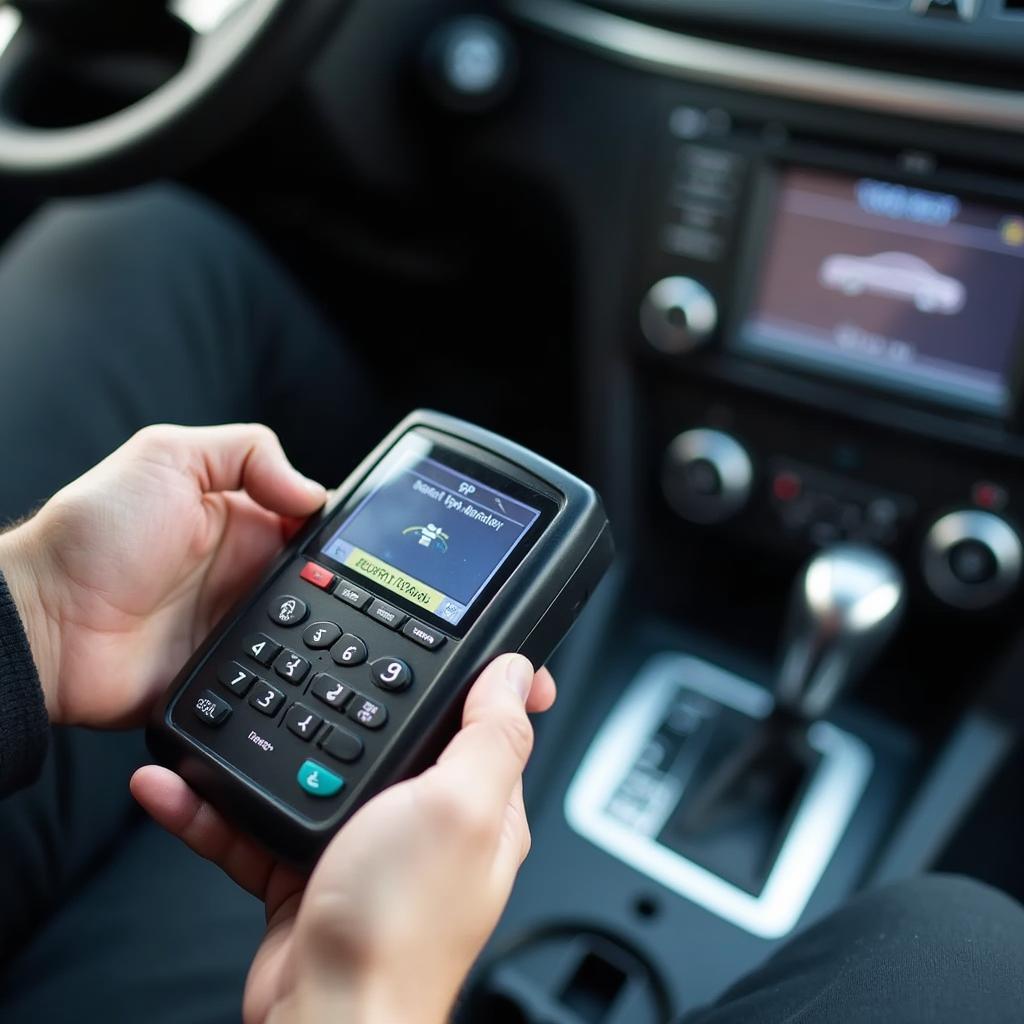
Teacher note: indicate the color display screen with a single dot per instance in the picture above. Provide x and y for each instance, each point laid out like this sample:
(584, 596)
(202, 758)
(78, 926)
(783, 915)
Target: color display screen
(432, 534)
(901, 287)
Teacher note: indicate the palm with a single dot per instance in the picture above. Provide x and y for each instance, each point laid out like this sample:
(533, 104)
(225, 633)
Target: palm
(434, 856)
(144, 574)
(272, 970)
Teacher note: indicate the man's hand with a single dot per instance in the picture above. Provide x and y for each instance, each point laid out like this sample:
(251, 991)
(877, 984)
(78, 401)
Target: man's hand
(123, 572)
(406, 894)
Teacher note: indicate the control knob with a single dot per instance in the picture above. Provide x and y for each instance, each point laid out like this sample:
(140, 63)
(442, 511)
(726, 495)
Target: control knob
(471, 64)
(706, 476)
(972, 559)
(678, 315)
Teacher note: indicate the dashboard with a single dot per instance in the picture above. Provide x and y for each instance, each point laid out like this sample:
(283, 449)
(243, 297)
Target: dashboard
(793, 248)
(964, 27)
(782, 246)
(822, 309)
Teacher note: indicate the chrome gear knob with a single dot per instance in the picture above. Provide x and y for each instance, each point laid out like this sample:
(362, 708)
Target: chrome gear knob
(845, 607)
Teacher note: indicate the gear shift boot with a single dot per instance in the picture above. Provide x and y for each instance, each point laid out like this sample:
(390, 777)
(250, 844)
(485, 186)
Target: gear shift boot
(742, 796)
(664, 787)
(739, 804)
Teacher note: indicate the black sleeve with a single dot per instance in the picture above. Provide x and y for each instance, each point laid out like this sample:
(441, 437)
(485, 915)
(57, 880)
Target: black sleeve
(24, 727)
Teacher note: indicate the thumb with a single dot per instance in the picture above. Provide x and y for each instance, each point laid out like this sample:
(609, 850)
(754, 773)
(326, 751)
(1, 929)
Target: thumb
(487, 757)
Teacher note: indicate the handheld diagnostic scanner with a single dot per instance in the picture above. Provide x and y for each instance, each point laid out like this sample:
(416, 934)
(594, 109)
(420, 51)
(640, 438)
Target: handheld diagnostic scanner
(346, 668)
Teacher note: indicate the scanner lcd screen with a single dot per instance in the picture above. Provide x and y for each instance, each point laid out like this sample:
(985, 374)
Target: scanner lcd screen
(432, 533)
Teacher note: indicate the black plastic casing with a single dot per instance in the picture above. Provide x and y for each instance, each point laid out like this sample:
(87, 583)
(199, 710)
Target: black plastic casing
(530, 612)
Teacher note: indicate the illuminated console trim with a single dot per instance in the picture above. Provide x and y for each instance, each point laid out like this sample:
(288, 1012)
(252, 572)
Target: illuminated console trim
(779, 74)
(828, 805)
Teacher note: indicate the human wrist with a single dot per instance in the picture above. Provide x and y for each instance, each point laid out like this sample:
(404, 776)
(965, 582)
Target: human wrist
(361, 1008)
(26, 570)
(367, 997)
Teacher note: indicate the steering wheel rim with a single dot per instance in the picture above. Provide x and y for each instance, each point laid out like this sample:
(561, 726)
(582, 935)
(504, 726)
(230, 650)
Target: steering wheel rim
(230, 76)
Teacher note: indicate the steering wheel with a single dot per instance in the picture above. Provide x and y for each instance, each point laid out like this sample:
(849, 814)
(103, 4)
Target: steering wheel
(222, 63)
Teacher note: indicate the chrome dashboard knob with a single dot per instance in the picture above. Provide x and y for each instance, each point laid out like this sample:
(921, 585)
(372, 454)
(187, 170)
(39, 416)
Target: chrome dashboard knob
(678, 315)
(471, 63)
(706, 476)
(972, 559)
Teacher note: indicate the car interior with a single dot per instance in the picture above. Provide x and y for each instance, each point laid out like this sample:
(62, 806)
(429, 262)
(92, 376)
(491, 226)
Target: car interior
(756, 272)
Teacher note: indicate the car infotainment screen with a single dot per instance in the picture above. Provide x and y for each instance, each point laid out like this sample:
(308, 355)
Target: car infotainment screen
(900, 287)
(431, 532)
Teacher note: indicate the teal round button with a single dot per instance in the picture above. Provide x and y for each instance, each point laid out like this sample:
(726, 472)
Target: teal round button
(317, 780)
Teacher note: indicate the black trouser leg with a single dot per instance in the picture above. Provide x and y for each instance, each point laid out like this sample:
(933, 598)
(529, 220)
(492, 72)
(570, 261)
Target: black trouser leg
(150, 307)
(933, 950)
(115, 313)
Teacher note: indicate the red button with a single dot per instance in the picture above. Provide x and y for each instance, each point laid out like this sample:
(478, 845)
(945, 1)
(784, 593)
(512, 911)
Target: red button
(317, 575)
(786, 487)
(989, 495)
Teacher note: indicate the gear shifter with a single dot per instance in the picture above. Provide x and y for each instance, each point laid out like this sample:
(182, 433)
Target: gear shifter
(844, 608)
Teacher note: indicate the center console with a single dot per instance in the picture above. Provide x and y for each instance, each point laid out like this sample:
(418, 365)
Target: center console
(843, 327)
(798, 306)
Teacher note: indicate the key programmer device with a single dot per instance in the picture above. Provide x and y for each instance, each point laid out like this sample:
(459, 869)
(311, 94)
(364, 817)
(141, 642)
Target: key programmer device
(346, 669)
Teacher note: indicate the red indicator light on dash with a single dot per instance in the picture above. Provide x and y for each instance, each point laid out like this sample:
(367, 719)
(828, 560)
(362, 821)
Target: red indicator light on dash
(988, 495)
(317, 575)
(786, 487)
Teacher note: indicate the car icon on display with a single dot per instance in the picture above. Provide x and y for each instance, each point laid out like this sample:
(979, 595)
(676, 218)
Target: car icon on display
(898, 275)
